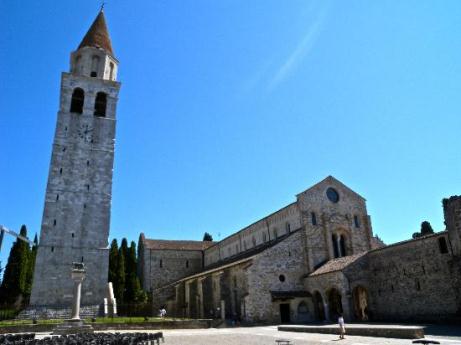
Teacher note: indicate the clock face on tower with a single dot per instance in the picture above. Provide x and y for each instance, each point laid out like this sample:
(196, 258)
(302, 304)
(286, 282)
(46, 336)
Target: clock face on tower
(84, 132)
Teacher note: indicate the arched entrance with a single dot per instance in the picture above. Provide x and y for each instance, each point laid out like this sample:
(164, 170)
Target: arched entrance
(360, 297)
(334, 303)
(318, 306)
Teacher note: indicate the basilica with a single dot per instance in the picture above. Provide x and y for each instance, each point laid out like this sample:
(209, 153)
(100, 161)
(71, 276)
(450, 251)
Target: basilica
(310, 261)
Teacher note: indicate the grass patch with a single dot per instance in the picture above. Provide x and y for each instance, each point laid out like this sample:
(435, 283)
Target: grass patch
(101, 320)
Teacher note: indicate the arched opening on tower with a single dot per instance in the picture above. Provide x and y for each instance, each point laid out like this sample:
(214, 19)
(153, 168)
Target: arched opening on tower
(94, 66)
(100, 104)
(78, 98)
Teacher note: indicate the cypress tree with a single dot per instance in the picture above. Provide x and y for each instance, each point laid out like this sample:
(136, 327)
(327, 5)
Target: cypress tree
(113, 263)
(426, 228)
(131, 279)
(207, 237)
(120, 291)
(31, 267)
(15, 277)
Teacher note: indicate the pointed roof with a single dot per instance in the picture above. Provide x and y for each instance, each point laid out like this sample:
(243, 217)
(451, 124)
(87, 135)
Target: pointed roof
(98, 35)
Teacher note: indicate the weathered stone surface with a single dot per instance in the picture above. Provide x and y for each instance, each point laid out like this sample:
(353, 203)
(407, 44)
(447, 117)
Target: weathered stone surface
(76, 216)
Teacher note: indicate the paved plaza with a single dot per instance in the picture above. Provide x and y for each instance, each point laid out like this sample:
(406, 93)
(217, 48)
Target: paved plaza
(267, 335)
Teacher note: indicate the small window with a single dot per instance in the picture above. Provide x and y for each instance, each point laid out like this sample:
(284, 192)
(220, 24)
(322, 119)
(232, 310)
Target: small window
(161, 263)
(392, 288)
(111, 73)
(418, 285)
(264, 237)
(54, 222)
(443, 245)
(275, 233)
(314, 218)
(254, 241)
(282, 278)
(84, 205)
(72, 235)
(60, 171)
(87, 163)
(76, 104)
(82, 259)
(52, 249)
(187, 263)
(356, 222)
(288, 227)
(87, 187)
(100, 104)
(64, 149)
(57, 197)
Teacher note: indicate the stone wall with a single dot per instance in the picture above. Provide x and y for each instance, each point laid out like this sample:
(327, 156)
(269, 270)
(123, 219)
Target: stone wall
(264, 230)
(283, 259)
(413, 280)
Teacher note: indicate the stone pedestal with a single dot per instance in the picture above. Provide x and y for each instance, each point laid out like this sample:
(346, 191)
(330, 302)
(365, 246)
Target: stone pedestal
(75, 324)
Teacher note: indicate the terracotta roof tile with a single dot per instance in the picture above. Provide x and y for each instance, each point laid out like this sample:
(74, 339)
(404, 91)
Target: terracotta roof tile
(177, 245)
(336, 264)
(98, 35)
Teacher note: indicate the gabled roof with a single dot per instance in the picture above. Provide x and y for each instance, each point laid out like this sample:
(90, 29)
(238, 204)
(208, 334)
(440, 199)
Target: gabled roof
(336, 264)
(98, 35)
(333, 180)
(177, 245)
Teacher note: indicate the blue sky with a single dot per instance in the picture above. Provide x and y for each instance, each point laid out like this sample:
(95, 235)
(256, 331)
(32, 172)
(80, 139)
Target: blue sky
(230, 108)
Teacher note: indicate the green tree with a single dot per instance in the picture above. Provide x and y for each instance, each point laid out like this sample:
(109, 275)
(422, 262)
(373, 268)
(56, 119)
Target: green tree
(14, 284)
(426, 228)
(119, 289)
(207, 237)
(130, 274)
(113, 263)
(31, 268)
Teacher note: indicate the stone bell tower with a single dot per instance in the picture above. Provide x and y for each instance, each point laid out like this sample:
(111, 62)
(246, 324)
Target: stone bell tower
(76, 216)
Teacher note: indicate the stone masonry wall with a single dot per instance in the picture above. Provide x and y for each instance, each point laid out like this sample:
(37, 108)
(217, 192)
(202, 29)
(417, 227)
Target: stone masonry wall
(413, 280)
(285, 258)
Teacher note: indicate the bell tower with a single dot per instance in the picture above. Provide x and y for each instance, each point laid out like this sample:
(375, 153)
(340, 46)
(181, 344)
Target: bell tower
(76, 216)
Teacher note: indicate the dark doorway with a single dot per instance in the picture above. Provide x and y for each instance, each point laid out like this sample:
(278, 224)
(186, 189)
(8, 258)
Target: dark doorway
(284, 312)
(334, 301)
(318, 306)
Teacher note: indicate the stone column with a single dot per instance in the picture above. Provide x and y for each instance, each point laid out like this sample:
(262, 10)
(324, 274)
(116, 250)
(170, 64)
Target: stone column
(223, 309)
(187, 298)
(77, 277)
(326, 310)
(200, 306)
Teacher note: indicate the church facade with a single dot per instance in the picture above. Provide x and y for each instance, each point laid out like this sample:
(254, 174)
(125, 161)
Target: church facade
(310, 261)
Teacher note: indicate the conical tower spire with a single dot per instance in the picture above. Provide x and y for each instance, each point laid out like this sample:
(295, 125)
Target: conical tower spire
(98, 35)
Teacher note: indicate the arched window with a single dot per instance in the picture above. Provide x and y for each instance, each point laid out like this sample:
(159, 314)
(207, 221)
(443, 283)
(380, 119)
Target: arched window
(275, 233)
(334, 239)
(287, 227)
(187, 263)
(111, 73)
(94, 66)
(100, 104)
(342, 246)
(78, 98)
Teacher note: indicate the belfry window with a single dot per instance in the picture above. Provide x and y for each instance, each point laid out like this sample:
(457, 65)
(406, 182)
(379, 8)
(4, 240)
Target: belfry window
(94, 66)
(100, 104)
(78, 98)
(314, 218)
(111, 71)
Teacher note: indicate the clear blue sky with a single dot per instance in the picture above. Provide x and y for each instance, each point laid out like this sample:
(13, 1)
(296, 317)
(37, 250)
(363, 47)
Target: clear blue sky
(230, 108)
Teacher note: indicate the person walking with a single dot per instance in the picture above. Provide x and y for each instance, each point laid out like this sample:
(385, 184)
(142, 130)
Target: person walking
(342, 329)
